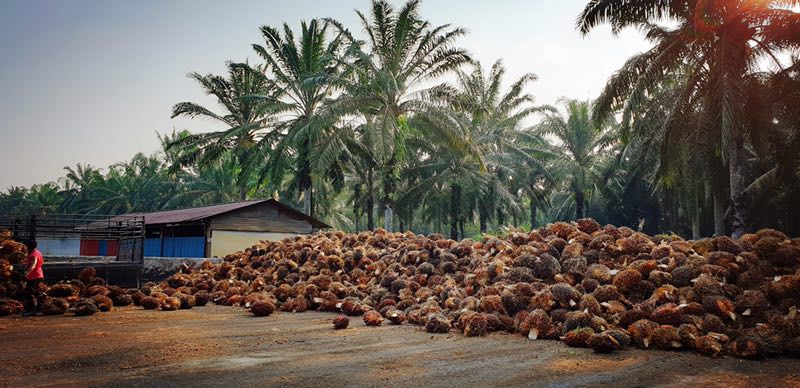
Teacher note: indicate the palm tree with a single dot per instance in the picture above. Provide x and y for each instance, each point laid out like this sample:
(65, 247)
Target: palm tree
(533, 160)
(776, 189)
(44, 198)
(403, 53)
(138, 185)
(79, 184)
(495, 127)
(488, 118)
(247, 121)
(303, 71)
(718, 44)
(673, 164)
(211, 185)
(13, 200)
(581, 144)
(444, 171)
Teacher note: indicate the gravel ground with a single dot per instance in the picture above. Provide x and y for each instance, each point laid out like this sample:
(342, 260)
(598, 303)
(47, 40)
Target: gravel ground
(216, 345)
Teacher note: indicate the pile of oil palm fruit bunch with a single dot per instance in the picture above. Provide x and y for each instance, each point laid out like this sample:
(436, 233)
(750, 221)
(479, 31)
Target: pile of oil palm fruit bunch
(592, 286)
(12, 257)
(86, 295)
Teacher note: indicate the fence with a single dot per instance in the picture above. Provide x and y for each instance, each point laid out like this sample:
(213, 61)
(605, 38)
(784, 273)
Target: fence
(121, 236)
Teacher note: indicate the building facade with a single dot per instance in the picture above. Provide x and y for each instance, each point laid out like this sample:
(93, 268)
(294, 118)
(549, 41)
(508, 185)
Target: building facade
(214, 231)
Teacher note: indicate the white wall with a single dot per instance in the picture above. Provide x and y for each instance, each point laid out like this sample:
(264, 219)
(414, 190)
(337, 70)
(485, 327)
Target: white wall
(225, 242)
(64, 247)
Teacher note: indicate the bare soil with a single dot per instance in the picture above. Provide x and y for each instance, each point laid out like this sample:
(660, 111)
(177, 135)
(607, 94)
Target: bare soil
(216, 345)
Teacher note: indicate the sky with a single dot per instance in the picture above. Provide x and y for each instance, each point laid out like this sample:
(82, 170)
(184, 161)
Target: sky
(94, 81)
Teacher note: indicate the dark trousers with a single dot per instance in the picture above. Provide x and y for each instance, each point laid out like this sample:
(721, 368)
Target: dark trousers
(33, 297)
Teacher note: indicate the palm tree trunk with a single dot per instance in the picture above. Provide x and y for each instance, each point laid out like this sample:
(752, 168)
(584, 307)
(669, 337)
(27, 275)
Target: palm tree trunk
(793, 212)
(696, 224)
(736, 164)
(455, 200)
(461, 223)
(533, 211)
(243, 192)
(370, 210)
(389, 185)
(483, 216)
(304, 177)
(719, 215)
(579, 201)
(307, 202)
(356, 197)
(388, 218)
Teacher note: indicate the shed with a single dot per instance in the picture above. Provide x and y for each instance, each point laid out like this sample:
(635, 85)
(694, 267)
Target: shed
(215, 231)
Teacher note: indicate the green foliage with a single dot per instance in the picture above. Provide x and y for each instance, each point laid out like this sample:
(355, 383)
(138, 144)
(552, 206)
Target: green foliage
(692, 137)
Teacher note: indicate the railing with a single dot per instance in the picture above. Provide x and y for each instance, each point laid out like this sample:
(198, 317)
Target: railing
(128, 230)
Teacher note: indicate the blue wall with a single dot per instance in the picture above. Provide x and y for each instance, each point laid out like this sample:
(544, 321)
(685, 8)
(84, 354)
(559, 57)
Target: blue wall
(152, 247)
(175, 247)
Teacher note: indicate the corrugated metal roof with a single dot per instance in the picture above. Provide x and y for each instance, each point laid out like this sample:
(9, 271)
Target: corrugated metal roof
(200, 213)
(195, 214)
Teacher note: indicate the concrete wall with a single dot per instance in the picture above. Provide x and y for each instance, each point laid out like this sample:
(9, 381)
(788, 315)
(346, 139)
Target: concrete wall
(225, 242)
(153, 268)
(66, 247)
(159, 268)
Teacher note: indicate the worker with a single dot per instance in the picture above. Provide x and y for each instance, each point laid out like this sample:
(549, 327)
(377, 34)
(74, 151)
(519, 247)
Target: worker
(34, 276)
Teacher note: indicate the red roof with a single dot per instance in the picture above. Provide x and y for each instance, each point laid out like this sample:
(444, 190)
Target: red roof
(200, 213)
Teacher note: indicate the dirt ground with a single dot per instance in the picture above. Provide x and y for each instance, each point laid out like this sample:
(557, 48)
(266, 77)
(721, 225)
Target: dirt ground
(216, 345)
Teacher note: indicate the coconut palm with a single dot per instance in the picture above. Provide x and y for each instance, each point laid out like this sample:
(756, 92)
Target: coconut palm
(718, 44)
(247, 121)
(303, 71)
(389, 75)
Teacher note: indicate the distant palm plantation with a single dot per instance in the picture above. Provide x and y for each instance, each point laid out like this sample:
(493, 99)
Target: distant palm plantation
(392, 123)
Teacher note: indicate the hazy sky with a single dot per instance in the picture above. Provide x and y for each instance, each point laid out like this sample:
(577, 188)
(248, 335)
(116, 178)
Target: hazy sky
(92, 81)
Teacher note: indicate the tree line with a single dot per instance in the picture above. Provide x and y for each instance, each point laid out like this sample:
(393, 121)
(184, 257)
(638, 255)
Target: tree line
(392, 123)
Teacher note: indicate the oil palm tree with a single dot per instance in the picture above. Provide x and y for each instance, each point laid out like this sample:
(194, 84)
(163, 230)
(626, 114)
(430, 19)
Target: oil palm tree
(138, 185)
(389, 79)
(533, 159)
(491, 119)
(303, 71)
(443, 171)
(776, 189)
(78, 185)
(247, 121)
(214, 184)
(44, 198)
(718, 44)
(496, 119)
(13, 200)
(581, 144)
